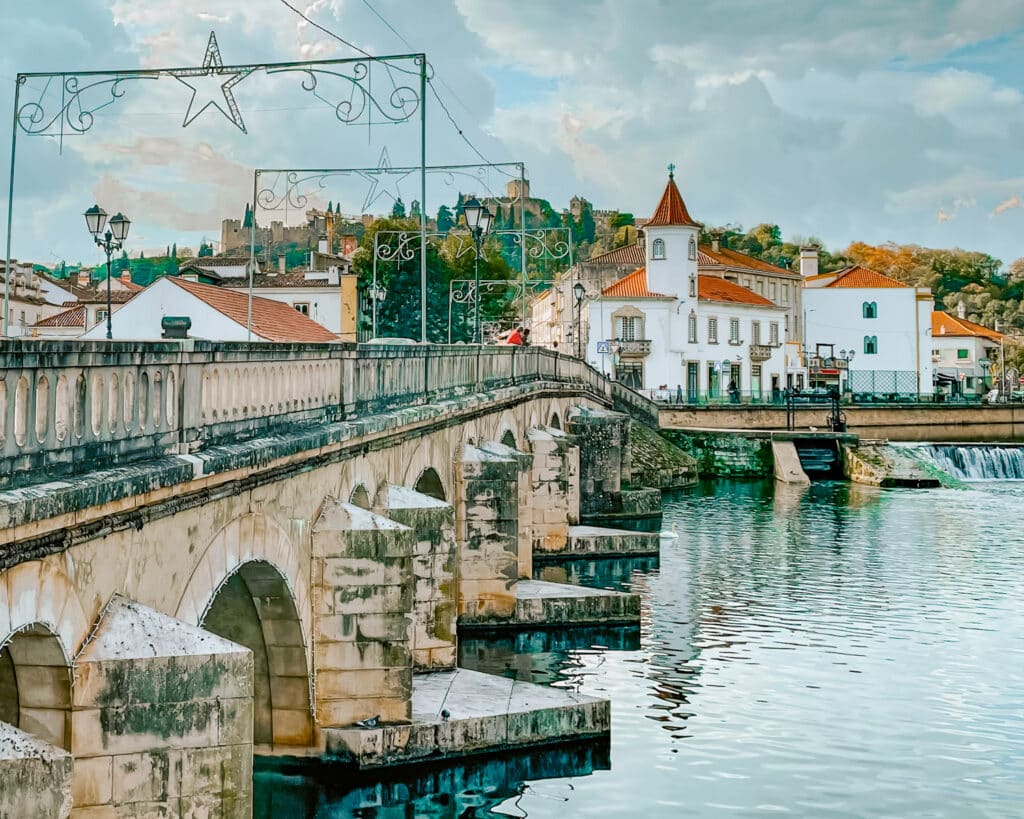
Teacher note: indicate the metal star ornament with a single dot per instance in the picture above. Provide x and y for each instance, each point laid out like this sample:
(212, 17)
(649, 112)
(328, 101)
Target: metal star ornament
(374, 178)
(211, 84)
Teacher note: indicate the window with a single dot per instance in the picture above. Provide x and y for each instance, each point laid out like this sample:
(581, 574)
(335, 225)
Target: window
(101, 315)
(631, 374)
(302, 307)
(870, 309)
(693, 248)
(755, 332)
(870, 345)
(692, 328)
(963, 355)
(773, 290)
(746, 282)
(712, 331)
(658, 249)
(693, 287)
(755, 381)
(773, 333)
(785, 293)
(734, 330)
(969, 382)
(628, 328)
(760, 287)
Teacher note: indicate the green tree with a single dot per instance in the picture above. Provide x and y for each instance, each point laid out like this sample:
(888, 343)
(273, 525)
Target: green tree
(445, 220)
(174, 251)
(587, 228)
(624, 236)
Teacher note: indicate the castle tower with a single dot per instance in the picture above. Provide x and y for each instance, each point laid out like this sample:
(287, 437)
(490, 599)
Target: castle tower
(671, 243)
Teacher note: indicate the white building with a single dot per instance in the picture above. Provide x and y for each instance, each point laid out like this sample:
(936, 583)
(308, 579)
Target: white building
(884, 323)
(667, 329)
(216, 313)
(965, 354)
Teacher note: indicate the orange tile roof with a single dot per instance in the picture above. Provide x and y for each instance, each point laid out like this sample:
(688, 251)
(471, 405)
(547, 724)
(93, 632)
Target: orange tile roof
(629, 254)
(857, 276)
(75, 317)
(633, 286)
(671, 209)
(712, 288)
(734, 259)
(272, 320)
(944, 324)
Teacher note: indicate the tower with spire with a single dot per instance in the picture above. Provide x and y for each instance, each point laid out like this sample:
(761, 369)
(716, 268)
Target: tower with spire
(671, 253)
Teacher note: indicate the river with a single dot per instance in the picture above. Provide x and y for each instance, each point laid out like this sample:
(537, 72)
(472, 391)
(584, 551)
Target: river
(831, 651)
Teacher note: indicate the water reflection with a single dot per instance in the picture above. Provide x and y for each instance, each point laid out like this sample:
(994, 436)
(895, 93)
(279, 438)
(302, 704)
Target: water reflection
(305, 790)
(616, 573)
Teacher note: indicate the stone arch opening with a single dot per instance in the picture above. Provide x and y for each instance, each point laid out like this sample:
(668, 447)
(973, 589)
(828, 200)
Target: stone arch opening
(35, 685)
(360, 497)
(556, 422)
(254, 607)
(509, 439)
(429, 483)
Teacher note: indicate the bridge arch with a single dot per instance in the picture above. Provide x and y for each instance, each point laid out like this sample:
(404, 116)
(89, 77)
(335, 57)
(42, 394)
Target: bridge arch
(508, 438)
(429, 483)
(556, 421)
(254, 607)
(35, 684)
(360, 497)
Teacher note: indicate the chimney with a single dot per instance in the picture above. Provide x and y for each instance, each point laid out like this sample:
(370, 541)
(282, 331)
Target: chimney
(126, 277)
(716, 242)
(282, 266)
(83, 277)
(961, 310)
(349, 245)
(809, 260)
(322, 248)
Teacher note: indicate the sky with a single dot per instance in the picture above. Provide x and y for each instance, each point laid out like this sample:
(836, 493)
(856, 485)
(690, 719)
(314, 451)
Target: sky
(866, 121)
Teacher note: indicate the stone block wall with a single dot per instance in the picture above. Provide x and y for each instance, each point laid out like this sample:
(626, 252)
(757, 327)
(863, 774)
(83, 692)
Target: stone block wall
(487, 528)
(35, 777)
(526, 507)
(162, 721)
(362, 606)
(602, 437)
(433, 566)
(555, 488)
(727, 454)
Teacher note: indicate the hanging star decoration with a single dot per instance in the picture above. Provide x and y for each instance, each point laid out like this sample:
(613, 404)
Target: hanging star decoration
(376, 190)
(212, 83)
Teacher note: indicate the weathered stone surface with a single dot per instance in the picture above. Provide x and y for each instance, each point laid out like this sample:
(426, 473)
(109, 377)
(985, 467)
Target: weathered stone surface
(657, 463)
(787, 463)
(726, 454)
(602, 438)
(539, 603)
(555, 488)
(484, 713)
(163, 712)
(35, 777)
(597, 541)
(885, 465)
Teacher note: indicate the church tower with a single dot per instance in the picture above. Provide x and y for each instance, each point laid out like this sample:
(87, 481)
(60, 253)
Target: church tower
(671, 252)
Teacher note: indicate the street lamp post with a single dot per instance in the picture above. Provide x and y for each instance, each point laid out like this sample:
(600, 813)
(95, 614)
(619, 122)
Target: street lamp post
(110, 240)
(478, 220)
(377, 295)
(847, 356)
(579, 291)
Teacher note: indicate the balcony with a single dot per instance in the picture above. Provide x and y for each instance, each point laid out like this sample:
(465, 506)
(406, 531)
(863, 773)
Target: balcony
(760, 352)
(633, 346)
(816, 363)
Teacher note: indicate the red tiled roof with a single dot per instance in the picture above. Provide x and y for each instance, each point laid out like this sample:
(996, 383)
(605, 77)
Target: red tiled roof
(633, 286)
(272, 320)
(75, 317)
(671, 209)
(857, 276)
(943, 324)
(712, 288)
(630, 254)
(734, 259)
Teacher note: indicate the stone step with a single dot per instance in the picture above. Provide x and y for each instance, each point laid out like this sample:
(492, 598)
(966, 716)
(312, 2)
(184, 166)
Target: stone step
(461, 712)
(598, 541)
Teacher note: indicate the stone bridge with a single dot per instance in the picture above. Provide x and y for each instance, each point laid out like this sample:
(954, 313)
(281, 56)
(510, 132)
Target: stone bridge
(208, 547)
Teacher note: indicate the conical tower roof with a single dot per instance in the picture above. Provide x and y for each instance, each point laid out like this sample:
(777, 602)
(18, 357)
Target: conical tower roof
(671, 209)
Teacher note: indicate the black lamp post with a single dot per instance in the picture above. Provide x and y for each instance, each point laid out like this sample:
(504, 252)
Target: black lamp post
(478, 220)
(579, 291)
(109, 241)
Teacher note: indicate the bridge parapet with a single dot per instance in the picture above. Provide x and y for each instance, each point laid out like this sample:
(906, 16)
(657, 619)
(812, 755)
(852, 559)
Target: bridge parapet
(69, 407)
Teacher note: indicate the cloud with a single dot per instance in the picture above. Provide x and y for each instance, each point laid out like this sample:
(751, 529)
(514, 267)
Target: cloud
(942, 216)
(1007, 204)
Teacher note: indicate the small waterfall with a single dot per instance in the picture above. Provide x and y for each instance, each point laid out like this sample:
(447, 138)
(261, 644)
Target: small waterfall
(982, 462)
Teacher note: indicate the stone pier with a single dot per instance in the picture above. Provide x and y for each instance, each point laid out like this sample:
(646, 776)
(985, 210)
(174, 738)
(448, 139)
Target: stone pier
(35, 777)
(555, 488)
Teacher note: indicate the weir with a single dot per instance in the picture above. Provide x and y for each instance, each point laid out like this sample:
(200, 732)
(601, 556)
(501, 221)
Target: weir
(976, 462)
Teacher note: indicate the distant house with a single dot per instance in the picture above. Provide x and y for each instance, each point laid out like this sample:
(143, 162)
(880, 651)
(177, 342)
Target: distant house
(84, 306)
(216, 313)
(963, 353)
(886, 324)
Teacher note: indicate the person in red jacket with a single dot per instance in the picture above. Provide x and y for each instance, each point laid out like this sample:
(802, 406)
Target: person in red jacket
(515, 337)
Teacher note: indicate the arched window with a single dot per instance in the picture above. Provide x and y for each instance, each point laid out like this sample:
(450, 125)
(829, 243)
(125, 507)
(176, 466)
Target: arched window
(658, 249)
(870, 345)
(693, 249)
(691, 328)
(693, 287)
(870, 309)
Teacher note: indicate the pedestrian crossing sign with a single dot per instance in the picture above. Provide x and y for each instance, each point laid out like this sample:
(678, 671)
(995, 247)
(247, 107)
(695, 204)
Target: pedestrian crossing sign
(603, 347)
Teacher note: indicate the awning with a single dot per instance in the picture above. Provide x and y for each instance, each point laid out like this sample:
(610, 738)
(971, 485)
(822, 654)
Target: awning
(942, 378)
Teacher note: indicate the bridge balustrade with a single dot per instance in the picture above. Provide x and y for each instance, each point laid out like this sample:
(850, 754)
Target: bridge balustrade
(72, 406)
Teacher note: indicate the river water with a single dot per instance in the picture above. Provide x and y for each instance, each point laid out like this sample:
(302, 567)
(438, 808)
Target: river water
(829, 651)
